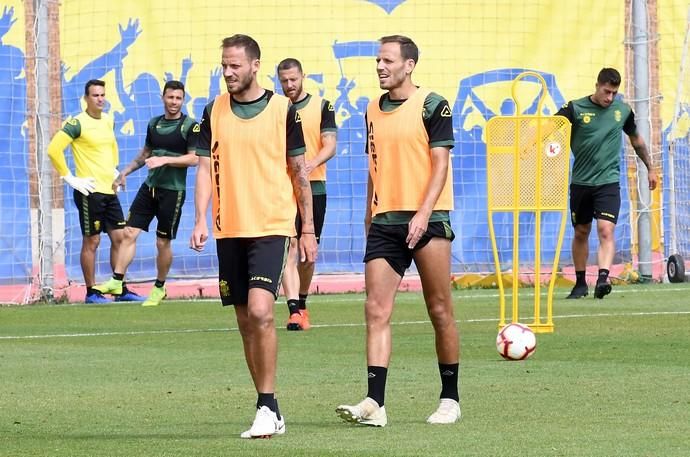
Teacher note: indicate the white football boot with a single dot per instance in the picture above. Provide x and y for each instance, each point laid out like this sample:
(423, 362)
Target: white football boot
(266, 424)
(448, 412)
(366, 412)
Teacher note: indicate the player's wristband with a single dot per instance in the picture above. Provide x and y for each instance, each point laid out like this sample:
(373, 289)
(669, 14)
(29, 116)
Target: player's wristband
(308, 233)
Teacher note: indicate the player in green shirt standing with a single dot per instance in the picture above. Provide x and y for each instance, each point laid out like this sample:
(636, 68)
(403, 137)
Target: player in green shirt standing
(597, 121)
(169, 149)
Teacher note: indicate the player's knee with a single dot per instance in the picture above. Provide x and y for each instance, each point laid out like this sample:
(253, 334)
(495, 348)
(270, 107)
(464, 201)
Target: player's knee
(606, 235)
(90, 243)
(129, 234)
(261, 318)
(440, 310)
(162, 243)
(582, 232)
(377, 312)
(264, 321)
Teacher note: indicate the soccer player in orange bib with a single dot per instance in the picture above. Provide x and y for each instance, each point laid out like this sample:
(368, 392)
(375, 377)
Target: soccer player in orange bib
(251, 164)
(318, 125)
(410, 194)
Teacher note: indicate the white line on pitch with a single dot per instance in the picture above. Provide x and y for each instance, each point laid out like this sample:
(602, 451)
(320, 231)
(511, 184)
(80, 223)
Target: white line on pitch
(465, 294)
(361, 324)
(458, 294)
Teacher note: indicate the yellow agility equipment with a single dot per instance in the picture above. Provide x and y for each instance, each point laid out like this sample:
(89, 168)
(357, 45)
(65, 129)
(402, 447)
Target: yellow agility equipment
(527, 164)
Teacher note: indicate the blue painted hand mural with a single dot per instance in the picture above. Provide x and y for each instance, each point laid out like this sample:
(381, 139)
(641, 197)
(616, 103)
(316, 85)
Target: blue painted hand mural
(6, 20)
(73, 89)
(140, 102)
(387, 5)
(15, 238)
(214, 81)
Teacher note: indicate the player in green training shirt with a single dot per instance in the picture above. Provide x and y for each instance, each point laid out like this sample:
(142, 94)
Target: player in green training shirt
(169, 149)
(598, 121)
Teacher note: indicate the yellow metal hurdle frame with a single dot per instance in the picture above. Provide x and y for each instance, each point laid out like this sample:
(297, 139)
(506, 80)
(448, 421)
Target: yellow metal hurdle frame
(527, 165)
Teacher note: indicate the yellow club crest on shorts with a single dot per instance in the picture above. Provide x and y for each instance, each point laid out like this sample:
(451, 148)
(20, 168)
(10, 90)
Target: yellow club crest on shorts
(224, 288)
(97, 225)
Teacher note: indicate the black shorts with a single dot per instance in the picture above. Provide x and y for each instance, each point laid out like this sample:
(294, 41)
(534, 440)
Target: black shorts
(98, 213)
(600, 202)
(388, 242)
(163, 204)
(319, 209)
(246, 263)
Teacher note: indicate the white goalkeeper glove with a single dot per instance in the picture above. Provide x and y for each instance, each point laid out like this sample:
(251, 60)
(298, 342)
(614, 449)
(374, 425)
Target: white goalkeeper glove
(116, 174)
(83, 185)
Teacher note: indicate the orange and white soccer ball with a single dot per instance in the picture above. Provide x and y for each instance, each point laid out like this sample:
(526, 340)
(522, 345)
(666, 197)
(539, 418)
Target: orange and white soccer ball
(516, 342)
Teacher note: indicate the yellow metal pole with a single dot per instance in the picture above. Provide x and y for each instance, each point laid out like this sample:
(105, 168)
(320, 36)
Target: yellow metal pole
(537, 196)
(516, 221)
(497, 261)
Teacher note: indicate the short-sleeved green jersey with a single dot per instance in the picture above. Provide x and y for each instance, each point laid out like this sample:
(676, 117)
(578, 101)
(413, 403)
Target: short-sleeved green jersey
(171, 138)
(596, 139)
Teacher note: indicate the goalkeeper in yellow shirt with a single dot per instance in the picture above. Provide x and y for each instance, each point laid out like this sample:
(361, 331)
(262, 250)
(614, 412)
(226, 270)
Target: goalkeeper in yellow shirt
(95, 153)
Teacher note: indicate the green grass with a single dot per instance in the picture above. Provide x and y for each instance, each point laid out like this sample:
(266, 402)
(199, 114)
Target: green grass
(121, 380)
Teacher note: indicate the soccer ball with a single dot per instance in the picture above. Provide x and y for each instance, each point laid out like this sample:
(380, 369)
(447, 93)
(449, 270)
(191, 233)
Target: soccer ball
(516, 342)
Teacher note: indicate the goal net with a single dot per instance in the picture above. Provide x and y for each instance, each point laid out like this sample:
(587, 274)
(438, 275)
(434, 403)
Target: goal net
(469, 53)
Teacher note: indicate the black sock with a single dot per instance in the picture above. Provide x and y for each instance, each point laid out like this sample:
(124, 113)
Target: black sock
(449, 380)
(266, 399)
(303, 301)
(118, 276)
(293, 306)
(159, 283)
(91, 291)
(603, 275)
(376, 378)
(580, 278)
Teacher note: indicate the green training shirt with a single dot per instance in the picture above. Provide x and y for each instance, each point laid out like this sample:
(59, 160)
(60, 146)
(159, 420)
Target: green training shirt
(170, 138)
(596, 139)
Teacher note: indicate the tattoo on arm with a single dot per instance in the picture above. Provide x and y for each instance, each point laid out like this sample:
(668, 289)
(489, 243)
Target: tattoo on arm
(138, 162)
(641, 150)
(302, 189)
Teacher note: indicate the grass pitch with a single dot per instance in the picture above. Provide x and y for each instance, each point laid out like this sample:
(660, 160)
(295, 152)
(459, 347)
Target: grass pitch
(121, 380)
